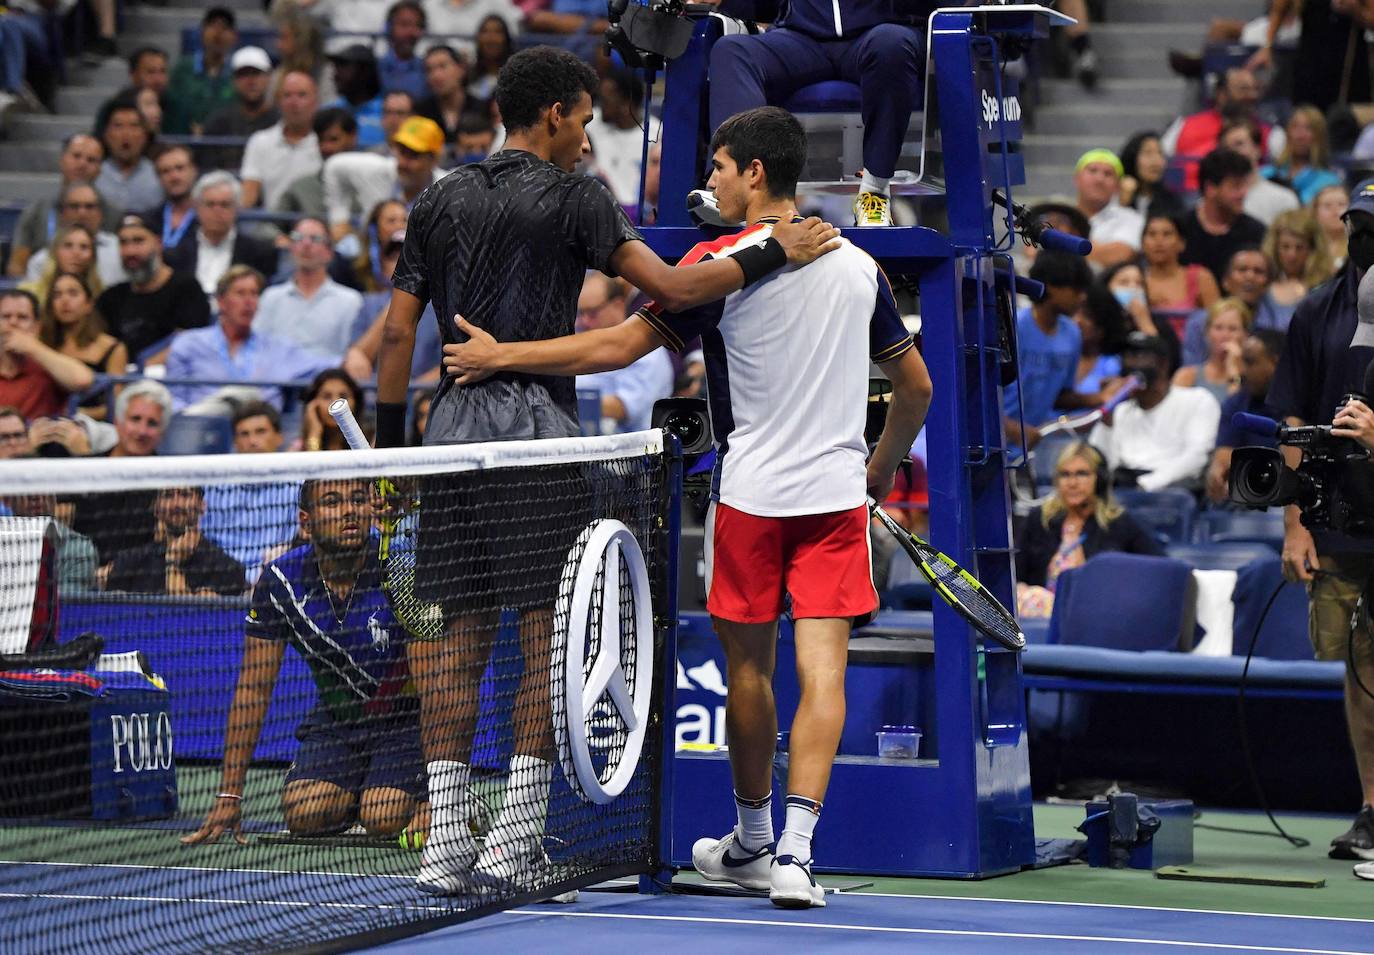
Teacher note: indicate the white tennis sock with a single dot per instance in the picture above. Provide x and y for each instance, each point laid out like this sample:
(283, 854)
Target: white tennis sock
(802, 815)
(448, 781)
(872, 183)
(526, 806)
(755, 822)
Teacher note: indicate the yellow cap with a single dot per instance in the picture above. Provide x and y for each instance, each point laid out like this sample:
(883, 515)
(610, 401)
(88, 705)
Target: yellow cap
(423, 135)
(1100, 155)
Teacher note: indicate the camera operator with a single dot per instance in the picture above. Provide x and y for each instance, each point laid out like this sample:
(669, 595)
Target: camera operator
(1325, 359)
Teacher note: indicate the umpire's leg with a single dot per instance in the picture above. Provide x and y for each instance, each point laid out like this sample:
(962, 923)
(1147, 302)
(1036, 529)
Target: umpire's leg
(887, 63)
(752, 71)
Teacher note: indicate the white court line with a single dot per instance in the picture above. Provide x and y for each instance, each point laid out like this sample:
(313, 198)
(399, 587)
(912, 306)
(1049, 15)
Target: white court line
(280, 903)
(205, 868)
(896, 930)
(1108, 905)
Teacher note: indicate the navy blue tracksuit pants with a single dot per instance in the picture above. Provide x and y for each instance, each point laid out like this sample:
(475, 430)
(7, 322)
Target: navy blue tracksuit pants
(886, 61)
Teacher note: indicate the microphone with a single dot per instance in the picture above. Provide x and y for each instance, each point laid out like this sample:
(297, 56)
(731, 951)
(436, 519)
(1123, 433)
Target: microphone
(1257, 423)
(1036, 232)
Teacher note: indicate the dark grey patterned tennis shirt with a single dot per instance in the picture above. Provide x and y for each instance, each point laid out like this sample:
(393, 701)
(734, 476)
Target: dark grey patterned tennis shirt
(505, 243)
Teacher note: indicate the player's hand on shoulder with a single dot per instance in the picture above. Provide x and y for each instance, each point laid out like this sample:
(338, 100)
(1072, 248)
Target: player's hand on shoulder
(473, 360)
(226, 815)
(807, 240)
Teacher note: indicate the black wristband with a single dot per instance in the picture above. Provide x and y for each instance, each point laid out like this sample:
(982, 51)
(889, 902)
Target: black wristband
(391, 424)
(757, 261)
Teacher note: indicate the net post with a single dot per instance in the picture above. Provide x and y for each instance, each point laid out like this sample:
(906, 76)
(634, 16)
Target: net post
(660, 880)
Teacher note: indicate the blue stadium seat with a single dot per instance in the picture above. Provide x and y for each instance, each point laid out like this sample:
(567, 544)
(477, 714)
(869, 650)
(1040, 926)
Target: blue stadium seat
(1257, 527)
(916, 595)
(1284, 635)
(1227, 555)
(1126, 602)
(1045, 457)
(1168, 513)
(197, 434)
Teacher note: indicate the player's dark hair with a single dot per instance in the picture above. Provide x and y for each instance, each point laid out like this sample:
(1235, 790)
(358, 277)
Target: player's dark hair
(1061, 269)
(534, 79)
(1222, 164)
(258, 409)
(772, 136)
(329, 117)
(1272, 339)
(137, 56)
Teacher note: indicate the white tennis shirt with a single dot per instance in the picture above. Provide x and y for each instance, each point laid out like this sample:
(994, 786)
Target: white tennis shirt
(787, 364)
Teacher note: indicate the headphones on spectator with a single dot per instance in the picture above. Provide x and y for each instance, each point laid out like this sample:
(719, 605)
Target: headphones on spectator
(1102, 477)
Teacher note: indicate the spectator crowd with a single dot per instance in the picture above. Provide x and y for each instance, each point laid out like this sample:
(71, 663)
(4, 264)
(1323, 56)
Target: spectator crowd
(231, 222)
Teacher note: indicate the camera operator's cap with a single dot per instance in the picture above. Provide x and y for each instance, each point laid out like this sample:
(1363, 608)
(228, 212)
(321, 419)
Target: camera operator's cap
(1362, 199)
(354, 53)
(420, 135)
(1102, 156)
(135, 220)
(1140, 343)
(250, 58)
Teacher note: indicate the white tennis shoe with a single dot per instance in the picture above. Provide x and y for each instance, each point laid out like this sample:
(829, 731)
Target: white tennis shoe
(725, 860)
(446, 866)
(521, 861)
(792, 886)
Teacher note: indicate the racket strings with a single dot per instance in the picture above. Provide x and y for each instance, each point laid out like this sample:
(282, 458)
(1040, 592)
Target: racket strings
(988, 615)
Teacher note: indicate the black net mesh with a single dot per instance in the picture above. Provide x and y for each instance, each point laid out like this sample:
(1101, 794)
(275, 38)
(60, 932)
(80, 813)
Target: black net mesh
(215, 732)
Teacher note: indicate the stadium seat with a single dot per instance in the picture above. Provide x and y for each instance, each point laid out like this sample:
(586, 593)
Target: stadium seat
(835, 97)
(1256, 527)
(197, 434)
(1284, 635)
(1168, 513)
(916, 595)
(1045, 457)
(1227, 555)
(1094, 607)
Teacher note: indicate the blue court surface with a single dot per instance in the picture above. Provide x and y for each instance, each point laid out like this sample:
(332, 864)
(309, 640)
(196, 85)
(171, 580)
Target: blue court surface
(603, 923)
(220, 903)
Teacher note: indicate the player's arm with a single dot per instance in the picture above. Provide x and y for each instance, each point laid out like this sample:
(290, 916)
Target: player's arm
(393, 367)
(911, 393)
(601, 349)
(682, 287)
(252, 696)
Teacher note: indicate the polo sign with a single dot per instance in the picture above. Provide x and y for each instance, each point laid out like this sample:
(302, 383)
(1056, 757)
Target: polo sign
(603, 661)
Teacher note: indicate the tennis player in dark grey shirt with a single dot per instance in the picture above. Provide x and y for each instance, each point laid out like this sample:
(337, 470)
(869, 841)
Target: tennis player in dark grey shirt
(505, 243)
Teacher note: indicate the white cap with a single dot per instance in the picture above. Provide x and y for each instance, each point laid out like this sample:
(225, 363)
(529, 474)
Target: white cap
(250, 58)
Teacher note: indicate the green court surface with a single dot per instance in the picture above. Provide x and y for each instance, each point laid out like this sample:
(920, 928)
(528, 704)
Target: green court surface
(1343, 896)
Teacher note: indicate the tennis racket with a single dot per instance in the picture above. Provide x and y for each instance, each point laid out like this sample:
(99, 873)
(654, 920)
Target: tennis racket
(956, 586)
(400, 527)
(1085, 421)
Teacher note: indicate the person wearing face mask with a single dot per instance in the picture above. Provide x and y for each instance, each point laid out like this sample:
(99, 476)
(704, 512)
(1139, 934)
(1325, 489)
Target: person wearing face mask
(1126, 282)
(1164, 435)
(1329, 348)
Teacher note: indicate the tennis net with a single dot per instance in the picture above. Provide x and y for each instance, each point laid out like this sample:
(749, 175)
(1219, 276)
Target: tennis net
(239, 694)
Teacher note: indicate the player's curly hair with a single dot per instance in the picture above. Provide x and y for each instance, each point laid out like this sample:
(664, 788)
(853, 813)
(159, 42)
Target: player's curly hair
(773, 137)
(534, 79)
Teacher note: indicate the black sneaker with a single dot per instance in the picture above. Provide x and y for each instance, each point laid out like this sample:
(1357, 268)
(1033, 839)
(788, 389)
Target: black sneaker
(1358, 841)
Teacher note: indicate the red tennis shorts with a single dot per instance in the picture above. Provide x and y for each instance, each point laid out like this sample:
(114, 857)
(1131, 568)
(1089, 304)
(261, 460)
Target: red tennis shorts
(822, 560)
